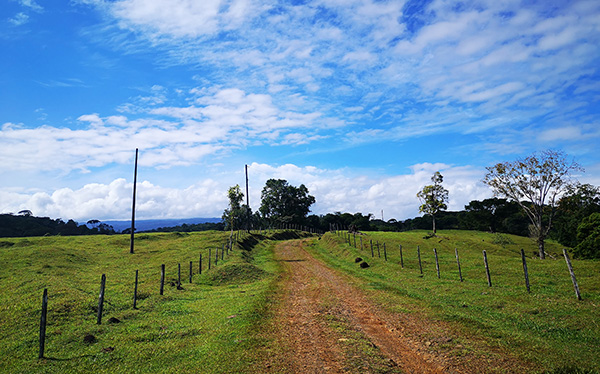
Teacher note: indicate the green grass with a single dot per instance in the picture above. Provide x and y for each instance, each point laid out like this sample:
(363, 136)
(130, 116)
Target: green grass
(547, 328)
(206, 327)
(221, 322)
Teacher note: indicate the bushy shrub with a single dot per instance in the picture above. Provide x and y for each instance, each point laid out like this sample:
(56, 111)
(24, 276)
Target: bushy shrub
(588, 236)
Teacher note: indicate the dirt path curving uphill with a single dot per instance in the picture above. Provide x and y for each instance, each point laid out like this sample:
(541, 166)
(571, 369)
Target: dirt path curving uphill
(328, 326)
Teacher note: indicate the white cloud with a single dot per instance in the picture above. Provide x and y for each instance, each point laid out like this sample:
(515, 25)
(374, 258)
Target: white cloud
(19, 19)
(220, 119)
(32, 5)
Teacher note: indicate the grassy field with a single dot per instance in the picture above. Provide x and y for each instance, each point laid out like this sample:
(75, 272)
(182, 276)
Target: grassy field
(208, 326)
(548, 328)
(220, 322)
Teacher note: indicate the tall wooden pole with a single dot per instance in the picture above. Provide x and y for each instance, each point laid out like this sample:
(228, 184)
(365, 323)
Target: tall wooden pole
(133, 206)
(247, 202)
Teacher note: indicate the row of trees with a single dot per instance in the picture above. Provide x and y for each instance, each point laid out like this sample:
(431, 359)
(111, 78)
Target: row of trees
(25, 224)
(533, 195)
(281, 203)
(542, 187)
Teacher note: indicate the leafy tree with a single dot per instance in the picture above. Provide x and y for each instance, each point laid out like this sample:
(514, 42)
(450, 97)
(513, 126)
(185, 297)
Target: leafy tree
(578, 202)
(235, 216)
(433, 197)
(588, 235)
(539, 180)
(284, 203)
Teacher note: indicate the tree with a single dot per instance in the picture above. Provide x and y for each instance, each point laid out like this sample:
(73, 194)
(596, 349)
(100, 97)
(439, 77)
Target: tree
(588, 236)
(433, 197)
(578, 202)
(284, 203)
(235, 215)
(535, 183)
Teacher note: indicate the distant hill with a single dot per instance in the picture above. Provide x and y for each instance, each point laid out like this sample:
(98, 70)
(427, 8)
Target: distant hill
(151, 224)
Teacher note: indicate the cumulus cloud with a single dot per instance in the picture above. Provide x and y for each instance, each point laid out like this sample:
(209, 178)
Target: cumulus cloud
(341, 190)
(475, 60)
(219, 120)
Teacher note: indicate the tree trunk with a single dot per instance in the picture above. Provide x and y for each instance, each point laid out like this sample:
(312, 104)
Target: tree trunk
(434, 230)
(541, 237)
(540, 242)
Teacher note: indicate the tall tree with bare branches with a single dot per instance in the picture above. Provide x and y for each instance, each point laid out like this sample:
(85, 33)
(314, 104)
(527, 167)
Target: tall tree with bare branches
(536, 183)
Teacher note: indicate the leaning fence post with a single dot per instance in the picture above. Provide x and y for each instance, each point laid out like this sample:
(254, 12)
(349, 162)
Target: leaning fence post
(458, 263)
(568, 260)
(162, 278)
(419, 255)
(525, 269)
(437, 263)
(487, 268)
(101, 299)
(135, 288)
(43, 323)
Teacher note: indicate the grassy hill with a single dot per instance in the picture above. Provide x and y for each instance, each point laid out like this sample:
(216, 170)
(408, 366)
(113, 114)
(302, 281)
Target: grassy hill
(216, 323)
(549, 327)
(205, 327)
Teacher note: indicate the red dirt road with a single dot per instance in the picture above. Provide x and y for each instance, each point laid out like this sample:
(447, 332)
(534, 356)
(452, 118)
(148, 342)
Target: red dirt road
(313, 293)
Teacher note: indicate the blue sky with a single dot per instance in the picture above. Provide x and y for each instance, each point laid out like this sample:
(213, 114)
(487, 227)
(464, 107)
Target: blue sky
(362, 101)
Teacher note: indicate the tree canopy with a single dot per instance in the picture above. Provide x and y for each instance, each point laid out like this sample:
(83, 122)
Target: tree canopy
(433, 197)
(535, 183)
(284, 203)
(236, 215)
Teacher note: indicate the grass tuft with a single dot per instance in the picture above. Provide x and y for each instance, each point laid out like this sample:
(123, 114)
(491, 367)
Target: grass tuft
(234, 274)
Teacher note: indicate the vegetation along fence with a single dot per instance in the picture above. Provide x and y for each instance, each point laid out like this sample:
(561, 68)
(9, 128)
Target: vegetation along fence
(349, 237)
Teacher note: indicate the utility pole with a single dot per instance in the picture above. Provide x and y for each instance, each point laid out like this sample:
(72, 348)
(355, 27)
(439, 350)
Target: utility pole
(133, 206)
(247, 203)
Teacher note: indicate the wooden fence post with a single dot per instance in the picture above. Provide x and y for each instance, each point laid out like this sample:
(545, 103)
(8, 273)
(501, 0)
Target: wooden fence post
(487, 268)
(419, 255)
(437, 263)
(191, 264)
(178, 276)
(209, 257)
(568, 260)
(361, 245)
(162, 278)
(401, 257)
(216, 256)
(200, 264)
(384, 252)
(135, 288)
(372, 253)
(378, 250)
(101, 299)
(525, 270)
(43, 323)
(458, 263)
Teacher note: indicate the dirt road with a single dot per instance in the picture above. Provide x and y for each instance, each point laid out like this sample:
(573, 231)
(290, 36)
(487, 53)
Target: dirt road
(328, 326)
